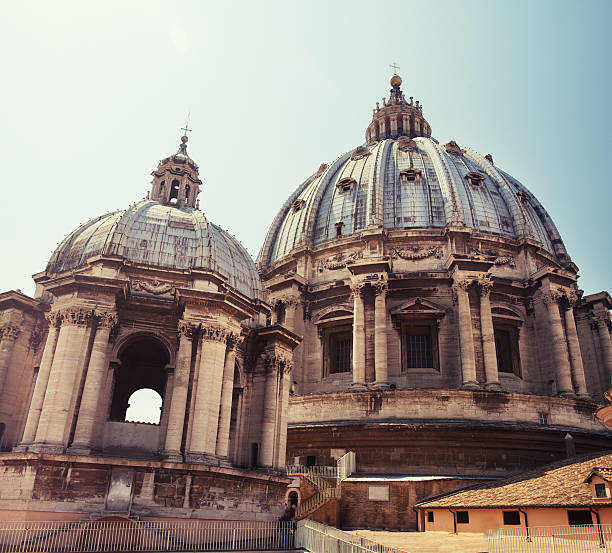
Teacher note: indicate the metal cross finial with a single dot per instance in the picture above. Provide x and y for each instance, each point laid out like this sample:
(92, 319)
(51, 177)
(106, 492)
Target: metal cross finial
(394, 67)
(186, 127)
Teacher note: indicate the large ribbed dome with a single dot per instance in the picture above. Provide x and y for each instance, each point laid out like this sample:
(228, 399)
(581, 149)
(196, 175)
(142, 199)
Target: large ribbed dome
(408, 183)
(159, 235)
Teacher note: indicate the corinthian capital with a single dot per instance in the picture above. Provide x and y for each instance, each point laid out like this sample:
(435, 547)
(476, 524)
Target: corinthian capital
(186, 329)
(107, 319)
(213, 333)
(9, 332)
(485, 286)
(76, 316)
(552, 296)
(463, 284)
(54, 318)
(380, 287)
(279, 361)
(357, 288)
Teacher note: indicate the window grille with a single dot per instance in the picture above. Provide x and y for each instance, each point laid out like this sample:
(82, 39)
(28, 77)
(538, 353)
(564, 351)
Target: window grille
(418, 350)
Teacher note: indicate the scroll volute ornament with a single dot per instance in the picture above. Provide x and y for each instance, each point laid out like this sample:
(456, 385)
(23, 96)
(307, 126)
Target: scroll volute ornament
(453, 148)
(277, 360)
(405, 144)
(9, 332)
(186, 329)
(107, 319)
(359, 153)
(485, 286)
(380, 287)
(357, 288)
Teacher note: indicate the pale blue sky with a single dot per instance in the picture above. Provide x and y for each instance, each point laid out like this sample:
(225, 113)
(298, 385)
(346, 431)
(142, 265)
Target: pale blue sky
(94, 94)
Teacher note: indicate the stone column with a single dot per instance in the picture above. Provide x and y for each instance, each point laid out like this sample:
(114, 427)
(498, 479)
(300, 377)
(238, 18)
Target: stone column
(208, 396)
(274, 363)
(560, 359)
(291, 305)
(466, 338)
(284, 411)
(8, 336)
(359, 346)
(51, 433)
(90, 401)
(603, 326)
(380, 335)
(574, 346)
(40, 387)
(176, 416)
(227, 394)
(488, 336)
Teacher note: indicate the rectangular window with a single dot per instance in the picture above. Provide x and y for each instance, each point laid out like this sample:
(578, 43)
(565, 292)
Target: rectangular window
(580, 518)
(503, 348)
(430, 516)
(600, 490)
(512, 518)
(418, 347)
(463, 517)
(341, 349)
(311, 460)
(544, 418)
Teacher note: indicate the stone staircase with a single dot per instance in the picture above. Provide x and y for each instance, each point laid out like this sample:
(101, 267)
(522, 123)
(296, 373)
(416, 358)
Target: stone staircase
(326, 481)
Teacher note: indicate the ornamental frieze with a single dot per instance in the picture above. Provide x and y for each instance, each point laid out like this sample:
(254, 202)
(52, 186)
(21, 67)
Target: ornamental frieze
(155, 287)
(415, 253)
(338, 261)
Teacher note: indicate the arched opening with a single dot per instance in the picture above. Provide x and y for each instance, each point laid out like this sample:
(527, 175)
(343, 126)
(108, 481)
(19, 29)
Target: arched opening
(174, 192)
(142, 368)
(144, 405)
(162, 185)
(293, 499)
(280, 312)
(254, 460)
(187, 191)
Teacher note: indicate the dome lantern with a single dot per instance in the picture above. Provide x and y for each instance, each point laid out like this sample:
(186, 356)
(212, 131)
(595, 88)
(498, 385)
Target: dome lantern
(176, 180)
(397, 116)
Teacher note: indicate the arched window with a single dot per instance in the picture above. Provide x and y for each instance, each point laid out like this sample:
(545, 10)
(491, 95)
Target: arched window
(142, 370)
(162, 185)
(144, 405)
(187, 190)
(280, 312)
(174, 192)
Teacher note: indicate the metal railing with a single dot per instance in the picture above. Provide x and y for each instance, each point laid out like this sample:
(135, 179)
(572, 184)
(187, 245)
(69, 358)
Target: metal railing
(128, 535)
(551, 539)
(319, 538)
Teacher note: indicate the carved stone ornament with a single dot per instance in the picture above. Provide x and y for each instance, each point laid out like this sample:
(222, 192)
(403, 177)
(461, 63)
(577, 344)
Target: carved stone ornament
(186, 329)
(452, 148)
(107, 319)
(552, 296)
(155, 287)
(213, 333)
(416, 252)
(321, 170)
(54, 318)
(359, 153)
(287, 300)
(9, 332)
(357, 288)
(405, 144)
(75, 316)
(234, 341)
(279, 361)
(464, 284)
(36, 337)
(499, 259)
(380, 287)
(485, 286)
(337, 261)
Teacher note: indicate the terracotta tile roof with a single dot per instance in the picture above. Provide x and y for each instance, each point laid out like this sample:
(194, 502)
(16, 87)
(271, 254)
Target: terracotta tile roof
(556, 485)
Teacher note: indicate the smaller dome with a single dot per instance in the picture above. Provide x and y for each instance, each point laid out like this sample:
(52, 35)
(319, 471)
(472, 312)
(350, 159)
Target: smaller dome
(157, 235)
(396, 80)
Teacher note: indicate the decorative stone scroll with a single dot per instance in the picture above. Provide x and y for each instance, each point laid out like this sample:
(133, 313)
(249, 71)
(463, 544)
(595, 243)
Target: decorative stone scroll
(359, 153)
(499, 259)
(415, 253)
(380, 287)
(485, 285)
(186, 329)
(336, 262)
(405, 144)
(155, 287)
(321, 170)
(107, 319)
(287, 300)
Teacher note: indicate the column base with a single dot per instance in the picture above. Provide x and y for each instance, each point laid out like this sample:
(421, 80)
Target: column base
(380, 386)
(570, 395)
(471, 386)
(357, 387)
(493, 386)
(172, 456)
(584, 396)
(202, 458)
(21, 448)
(47, 448)
(79, 450)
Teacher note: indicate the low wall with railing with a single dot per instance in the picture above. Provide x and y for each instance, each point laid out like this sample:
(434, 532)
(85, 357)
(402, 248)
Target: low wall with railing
(129, 535)
(319, 538)
(552, 539)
